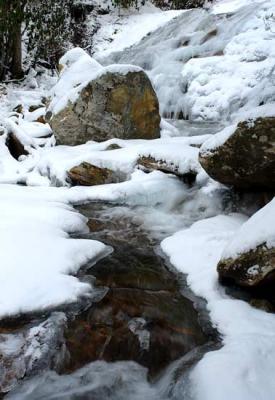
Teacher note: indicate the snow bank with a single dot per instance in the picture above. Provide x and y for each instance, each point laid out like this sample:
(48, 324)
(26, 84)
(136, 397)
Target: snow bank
(243, 368)
(38, 258)
(259, 229)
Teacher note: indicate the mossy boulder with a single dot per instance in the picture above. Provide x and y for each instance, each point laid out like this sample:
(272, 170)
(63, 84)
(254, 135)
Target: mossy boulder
(113, 105)
(246, 160)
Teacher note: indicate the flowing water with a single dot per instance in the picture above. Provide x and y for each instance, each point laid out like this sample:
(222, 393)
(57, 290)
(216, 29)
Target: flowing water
(137, 338)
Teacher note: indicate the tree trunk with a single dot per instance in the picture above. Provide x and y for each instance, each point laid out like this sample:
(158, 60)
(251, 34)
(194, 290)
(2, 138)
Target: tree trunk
(16, 66)
(11, 17)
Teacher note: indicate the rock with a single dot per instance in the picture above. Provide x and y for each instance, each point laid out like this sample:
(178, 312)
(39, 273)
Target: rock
(16, 148)
(36, 107)
(143, 316)
(263, 305)
(246, 159)
(113, 146)
(29, 349)
(149, 164)
(19, 109)
(114, 105)
(87, 174)
(253, 268)
(150, 327)
(249, 259)
(41, 119)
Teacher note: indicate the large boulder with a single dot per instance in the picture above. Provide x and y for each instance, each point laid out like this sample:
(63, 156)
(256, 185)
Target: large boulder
(105, 102)
(249, 260)
(243, 157)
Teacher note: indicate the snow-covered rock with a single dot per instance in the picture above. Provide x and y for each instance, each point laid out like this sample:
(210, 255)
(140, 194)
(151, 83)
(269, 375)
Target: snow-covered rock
(91, 102)
(242, 156)
(249, 259)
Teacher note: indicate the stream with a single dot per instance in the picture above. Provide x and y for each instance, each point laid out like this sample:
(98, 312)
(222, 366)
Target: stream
(137, 337)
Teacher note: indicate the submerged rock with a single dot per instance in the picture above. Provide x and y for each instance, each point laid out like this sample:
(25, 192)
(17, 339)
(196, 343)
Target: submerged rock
(246, 159)
(152, 328)
(120, 104)
(87, 174)
(143, 317)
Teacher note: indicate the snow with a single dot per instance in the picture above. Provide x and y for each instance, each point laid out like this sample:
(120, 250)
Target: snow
(116, 34)
(217, 140)
(245, 364)
(258, 230)
(205, 66)
(231, 6)
(38, 258)
(78, 70)
(210, 67)
(56, 161)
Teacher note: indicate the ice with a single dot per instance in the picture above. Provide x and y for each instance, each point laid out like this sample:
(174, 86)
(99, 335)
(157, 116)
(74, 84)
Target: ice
(99, 380)
(32, 350)
(206, 66)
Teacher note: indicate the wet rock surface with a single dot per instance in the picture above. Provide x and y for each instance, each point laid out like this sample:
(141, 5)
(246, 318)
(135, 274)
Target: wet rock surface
(143, 317)
(247, 159)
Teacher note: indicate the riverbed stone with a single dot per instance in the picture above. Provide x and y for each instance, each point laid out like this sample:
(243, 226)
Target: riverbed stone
(87, 174)
(114, 105)
(149, 164)
(143, 316)
(152, 328)
(246, 160)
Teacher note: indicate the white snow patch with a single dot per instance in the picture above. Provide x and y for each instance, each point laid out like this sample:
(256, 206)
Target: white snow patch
(38, 258)
(258, 230)
(79, 69)
(245, 364)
